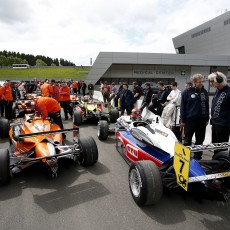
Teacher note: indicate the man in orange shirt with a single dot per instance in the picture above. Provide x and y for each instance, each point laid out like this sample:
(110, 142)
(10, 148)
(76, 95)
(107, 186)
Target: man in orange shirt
(65, 100)
(8, 99)
(49, 107)
(74, 87)
(46, 89)
(1, 103)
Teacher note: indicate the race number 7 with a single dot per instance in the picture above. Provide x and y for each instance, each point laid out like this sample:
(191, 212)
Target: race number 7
(182, 166)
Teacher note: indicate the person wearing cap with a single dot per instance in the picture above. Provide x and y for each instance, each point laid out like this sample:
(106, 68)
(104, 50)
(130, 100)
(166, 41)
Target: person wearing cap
(8, 99)
(46, 89)
(49, 107)
(64, 93)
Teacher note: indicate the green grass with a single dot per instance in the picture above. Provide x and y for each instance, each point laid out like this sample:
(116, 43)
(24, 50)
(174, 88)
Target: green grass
(44, 73)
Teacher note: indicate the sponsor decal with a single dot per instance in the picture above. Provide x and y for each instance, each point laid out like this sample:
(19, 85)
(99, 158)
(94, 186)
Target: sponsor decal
(131, 150)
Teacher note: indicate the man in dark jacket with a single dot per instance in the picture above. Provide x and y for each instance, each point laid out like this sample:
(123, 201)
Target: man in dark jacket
(147, 96)
(220, 111)
(159, 100)
(126, 100)
(194, 112)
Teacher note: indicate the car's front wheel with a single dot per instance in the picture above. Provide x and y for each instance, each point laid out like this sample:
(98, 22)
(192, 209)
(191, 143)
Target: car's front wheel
(4, 167)
(77, 117)
(145, 183)
(4, 127)
(102, 130)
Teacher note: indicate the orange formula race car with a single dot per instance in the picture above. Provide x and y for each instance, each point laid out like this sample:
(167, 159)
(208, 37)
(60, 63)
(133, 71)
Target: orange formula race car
(33, 140)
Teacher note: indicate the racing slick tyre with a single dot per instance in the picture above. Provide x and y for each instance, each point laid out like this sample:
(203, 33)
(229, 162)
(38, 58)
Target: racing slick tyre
(89, 151)
(145, 183)
(102, 130)
(114, 114)
(77, 118)
(4, 166)
(224, 157)
(5, 127)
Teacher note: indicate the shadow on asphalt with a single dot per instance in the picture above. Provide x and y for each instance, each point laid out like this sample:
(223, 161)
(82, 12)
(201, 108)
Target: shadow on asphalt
(176, 206)
(65, 195)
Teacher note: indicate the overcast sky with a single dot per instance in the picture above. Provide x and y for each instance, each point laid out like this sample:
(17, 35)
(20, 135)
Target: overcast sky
(78, 30)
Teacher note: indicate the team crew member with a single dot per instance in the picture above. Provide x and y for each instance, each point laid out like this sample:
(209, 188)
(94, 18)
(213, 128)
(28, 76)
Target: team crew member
(49, 107)
(1, 103)
(194, 112)
(65, 100)
(147, 96)
(56, 89)
(8, 99)
(136, 92)
(46, 89)
(220, 111)
(74, 87)
(90, 90)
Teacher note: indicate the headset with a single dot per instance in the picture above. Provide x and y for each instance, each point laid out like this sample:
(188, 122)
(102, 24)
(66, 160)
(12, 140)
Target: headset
(219, 79)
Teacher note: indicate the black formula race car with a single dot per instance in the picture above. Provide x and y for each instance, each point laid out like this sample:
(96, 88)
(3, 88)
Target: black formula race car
(155, 161)
(33, 140)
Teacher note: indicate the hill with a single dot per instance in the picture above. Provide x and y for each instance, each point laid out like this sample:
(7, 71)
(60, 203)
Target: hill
(41, 73)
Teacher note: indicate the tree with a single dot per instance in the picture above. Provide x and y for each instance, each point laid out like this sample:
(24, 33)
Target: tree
(39, 62)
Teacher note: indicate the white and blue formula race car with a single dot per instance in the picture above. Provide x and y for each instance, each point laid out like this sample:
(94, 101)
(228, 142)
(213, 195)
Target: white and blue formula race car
(149, 149)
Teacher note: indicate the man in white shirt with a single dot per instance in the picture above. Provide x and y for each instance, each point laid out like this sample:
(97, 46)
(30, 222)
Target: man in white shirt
(173, 100)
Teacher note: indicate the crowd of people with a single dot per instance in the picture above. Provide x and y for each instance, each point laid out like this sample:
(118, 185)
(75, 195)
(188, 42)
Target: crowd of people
(193, 101)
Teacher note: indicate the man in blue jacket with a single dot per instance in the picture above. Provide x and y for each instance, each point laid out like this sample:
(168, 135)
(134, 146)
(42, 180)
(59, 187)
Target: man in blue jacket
(220, 111)
(194, 112)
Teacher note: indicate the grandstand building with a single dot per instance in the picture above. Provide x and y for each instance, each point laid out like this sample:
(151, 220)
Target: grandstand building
(203, 49)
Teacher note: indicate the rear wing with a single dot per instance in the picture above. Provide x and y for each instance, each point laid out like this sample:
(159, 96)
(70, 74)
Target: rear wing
(22, 136)
(212, 146)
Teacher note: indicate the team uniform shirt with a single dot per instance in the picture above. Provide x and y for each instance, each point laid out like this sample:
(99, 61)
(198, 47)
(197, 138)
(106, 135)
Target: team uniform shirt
(56, 94)
(7, 93)
(74, 85)
(64, 93)
(46, 90)
(46, 105)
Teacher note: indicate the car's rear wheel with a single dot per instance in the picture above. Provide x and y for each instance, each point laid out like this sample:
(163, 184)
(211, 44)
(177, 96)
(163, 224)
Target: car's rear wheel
(145, 183)
(224, 158)
(77, 117)
(5, 127)
(4, 166)
(102, 130)
(114, 114)
(89, 151)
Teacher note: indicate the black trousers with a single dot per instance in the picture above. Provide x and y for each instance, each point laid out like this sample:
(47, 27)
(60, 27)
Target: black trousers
(57, 118)
(8, 109)
(198, 128)
(128, 109)
(220, 134)
(67, 109)
(2, 107)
